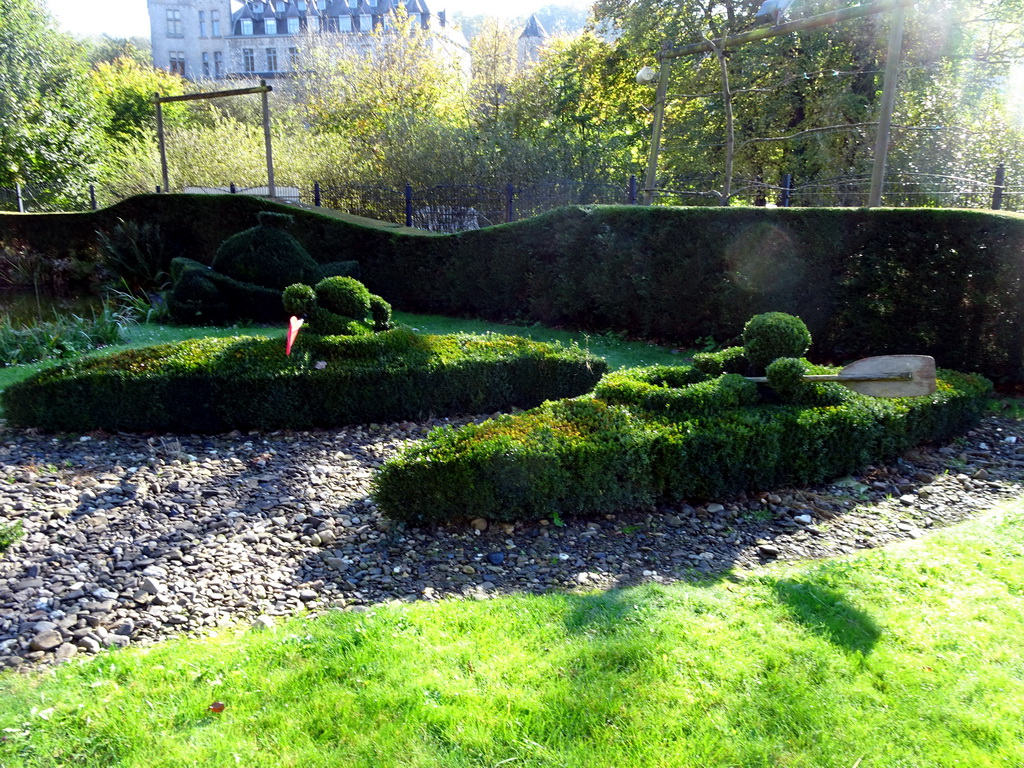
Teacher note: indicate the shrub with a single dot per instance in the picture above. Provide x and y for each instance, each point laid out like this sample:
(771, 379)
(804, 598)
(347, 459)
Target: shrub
(344, 296)
(689, 396)
(64, 337)
(338, 269)
(219, 384)
(380, 311)
(266, 255)
(202, 295)
(299, 299)
(590, 456)
(728, 360)
(136, 253)
(773, 335)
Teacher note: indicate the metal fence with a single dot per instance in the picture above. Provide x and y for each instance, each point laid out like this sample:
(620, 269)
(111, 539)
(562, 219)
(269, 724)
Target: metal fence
(460, 207)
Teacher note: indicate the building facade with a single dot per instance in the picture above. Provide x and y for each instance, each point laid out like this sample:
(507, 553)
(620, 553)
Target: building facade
(219, 39)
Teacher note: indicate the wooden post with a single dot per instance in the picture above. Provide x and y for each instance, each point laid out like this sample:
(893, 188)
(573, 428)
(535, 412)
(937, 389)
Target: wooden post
(660, 97)
(21, 199)
(997, 189)
(266, 138)
(892, 67)
(160, 139)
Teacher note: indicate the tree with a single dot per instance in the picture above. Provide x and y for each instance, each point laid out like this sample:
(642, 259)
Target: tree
(124, 89)
(48, 125)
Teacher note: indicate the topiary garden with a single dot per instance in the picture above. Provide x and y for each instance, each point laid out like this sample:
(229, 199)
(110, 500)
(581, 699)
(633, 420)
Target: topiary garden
(664, 434)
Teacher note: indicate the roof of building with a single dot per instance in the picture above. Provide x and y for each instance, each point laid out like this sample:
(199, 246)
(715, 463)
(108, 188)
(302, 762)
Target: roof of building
(534, 28)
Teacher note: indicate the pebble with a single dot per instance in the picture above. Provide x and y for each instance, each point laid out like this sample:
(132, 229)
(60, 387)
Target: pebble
(129, 540)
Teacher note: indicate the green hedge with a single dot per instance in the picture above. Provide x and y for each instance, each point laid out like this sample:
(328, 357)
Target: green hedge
(949, 283)
(591, 456)
(214, 385)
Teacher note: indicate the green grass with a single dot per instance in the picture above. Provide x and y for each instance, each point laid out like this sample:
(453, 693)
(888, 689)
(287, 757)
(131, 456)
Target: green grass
(907, 656)
(619, 352)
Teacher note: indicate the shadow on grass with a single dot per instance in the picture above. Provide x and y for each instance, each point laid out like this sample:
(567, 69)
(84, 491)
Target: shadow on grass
(829, 614)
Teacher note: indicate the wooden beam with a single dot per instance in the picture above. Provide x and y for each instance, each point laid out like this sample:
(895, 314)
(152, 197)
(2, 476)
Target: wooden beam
(214, 94)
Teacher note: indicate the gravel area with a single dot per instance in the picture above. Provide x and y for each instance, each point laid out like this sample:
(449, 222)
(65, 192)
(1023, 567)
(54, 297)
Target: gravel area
(131, 539)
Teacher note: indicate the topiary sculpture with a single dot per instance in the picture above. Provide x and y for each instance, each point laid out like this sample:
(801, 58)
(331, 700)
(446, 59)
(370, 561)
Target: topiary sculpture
(266, 254)
(249, 271)
(338, 306)
(773, 335)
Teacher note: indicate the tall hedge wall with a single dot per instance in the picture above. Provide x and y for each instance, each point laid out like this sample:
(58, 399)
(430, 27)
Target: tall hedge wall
(930, 281)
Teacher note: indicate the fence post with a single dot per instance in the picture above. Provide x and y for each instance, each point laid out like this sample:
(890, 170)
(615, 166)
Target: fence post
(21, 200)
(316, 193)
(632, 189)
(997, 188)
(510, 214)
(787, 185)
(92, 196)
(408, 205)
(233, 189)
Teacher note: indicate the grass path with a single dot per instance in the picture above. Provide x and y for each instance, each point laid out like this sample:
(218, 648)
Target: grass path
(908, 656)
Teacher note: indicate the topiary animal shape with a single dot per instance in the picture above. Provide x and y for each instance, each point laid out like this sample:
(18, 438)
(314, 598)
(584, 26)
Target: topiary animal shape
(266, 254)
(338, 306)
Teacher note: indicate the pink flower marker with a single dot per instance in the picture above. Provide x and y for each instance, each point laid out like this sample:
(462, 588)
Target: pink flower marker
(294, 323)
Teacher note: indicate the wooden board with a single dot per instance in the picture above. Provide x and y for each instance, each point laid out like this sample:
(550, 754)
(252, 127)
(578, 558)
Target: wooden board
(884, 376)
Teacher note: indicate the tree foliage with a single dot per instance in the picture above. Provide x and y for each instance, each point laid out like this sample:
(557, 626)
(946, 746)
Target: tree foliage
(48, 133)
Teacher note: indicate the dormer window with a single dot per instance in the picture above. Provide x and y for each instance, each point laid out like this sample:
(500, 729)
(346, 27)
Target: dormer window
(321, 5)
(270, 26)
(246, 26)
(293, 25)
(301, 5)
(353, 3)
(345, 24)
(366, 23)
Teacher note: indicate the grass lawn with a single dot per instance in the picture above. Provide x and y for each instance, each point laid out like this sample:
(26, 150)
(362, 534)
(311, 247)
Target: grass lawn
(908, 656)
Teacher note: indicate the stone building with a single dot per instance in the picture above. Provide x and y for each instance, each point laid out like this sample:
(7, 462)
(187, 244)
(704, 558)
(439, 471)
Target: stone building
(217, 39)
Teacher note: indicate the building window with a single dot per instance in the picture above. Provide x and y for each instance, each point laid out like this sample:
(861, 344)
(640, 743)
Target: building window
(174, 28)
(345, 24)
(293, 58)
(270, 26)
(206, 64)
(202, 23)
(293, 25)
(366, 23)
(353, 3)
(246, 26)
(177, 62)
(215, 23)
(218, 64)
(271, 59)
(248, 60)
(301, 6)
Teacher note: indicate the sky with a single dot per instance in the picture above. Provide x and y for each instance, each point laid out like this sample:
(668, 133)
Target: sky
(129, 18)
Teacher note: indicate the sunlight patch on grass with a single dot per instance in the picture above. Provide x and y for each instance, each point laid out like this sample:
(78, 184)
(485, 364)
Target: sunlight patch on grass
(899, 657)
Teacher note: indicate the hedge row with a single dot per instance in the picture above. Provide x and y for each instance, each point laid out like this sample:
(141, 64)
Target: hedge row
(948, 283)
(587, 456)
(216, 384)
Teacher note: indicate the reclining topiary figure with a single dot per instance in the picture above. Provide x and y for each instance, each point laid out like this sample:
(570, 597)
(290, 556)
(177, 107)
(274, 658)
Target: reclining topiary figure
(248, 274)
(664, 434)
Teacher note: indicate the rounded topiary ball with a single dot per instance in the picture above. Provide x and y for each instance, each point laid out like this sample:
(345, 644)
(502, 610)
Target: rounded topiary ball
(344, 296)
(299, 299)
(266, 255)
(785, 374)
(773, 335)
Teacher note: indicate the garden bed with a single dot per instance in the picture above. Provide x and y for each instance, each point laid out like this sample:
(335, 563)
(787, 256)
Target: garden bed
(219, 384)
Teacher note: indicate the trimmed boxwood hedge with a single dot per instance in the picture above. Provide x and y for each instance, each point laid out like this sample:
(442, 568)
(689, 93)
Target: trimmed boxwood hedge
(947, 283)
(634, 445)
(219, 384)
